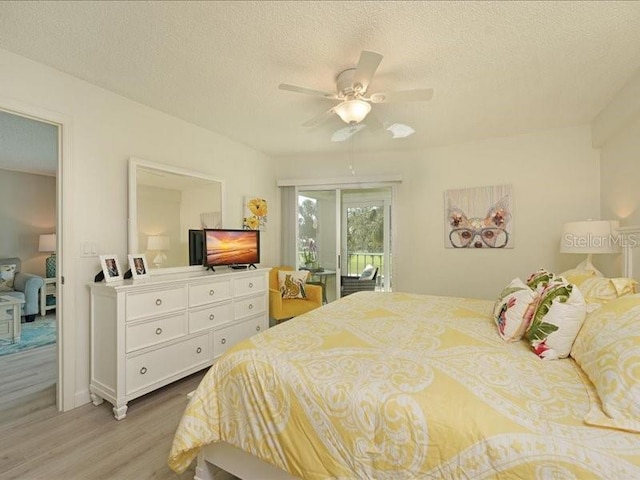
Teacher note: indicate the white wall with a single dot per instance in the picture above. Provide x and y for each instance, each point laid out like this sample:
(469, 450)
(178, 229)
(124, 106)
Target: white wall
(620, 184)
(620, 175)
(616, 130)
(106, 130)
(27, 209)
(555, 175)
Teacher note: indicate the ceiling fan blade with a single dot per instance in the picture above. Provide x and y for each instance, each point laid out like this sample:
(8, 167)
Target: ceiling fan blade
(400, 130)
(367, 66)
(306, 91)
(418, 95)
(346, 133)
(318, 119)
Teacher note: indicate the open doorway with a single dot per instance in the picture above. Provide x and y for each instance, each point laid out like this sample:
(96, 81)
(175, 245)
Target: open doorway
(29, 160)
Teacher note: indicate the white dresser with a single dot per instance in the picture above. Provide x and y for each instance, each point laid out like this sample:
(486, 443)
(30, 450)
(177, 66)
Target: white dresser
(150, 332)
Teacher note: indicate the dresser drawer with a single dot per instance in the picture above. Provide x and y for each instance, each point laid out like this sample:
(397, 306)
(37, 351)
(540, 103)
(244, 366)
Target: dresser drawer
(155, 366)
(249, 285)
(149, 304)
(249, 306)
(227, 337)
(145, 334)
(209, 292)
(209, 317)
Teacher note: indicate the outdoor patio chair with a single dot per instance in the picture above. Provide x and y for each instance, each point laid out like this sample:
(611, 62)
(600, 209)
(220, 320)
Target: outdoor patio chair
(366, 281)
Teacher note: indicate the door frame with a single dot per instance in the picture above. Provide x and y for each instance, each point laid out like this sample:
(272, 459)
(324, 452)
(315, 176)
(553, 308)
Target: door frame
(348, 183)
(65, 274)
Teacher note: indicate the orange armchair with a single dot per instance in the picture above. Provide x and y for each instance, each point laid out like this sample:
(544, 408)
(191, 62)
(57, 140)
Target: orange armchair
(285, 308)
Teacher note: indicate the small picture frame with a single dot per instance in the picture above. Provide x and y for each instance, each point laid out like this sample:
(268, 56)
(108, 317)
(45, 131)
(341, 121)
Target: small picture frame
(138, 265)
(111, 268)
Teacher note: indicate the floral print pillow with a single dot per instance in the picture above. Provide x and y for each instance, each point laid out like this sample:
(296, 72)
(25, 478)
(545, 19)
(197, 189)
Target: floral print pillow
(557, 320)
(514, 310)
(539, 279)
(292, 283)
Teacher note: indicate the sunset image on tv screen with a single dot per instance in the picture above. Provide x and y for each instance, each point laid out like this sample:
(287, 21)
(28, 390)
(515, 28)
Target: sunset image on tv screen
(229, 248)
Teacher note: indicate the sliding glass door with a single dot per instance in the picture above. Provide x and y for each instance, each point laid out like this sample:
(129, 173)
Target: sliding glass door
(366, 238)
(342, 232)
(319, 238)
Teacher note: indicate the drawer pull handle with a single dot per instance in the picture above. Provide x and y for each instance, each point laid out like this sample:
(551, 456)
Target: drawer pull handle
(158, 301)
(250, 285)
(251, 306)
(212, 316)
(198, 350)
(143, 370)
(211, 292)
(158, 331)
(223, 341)
(258, 328)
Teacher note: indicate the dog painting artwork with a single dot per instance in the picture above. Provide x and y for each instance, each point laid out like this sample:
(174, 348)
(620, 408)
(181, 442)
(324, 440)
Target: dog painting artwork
(479, 217)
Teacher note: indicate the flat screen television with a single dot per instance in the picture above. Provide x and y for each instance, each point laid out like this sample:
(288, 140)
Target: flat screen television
(234, 248)
(196, 247)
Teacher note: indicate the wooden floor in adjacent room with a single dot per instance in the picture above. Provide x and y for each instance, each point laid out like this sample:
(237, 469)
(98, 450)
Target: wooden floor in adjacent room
(27, 381)
(87, 443)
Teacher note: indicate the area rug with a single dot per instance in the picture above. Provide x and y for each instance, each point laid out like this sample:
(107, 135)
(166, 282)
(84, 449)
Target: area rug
(33, 335)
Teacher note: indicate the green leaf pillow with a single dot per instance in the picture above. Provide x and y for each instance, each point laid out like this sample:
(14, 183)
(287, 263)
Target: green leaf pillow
(539, 279)
(557, 320)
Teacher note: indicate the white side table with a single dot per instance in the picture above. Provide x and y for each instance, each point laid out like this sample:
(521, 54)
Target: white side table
(49, 288)
(10, 327)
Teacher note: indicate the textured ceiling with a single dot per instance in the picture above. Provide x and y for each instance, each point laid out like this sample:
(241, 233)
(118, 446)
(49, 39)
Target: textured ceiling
(497, 68)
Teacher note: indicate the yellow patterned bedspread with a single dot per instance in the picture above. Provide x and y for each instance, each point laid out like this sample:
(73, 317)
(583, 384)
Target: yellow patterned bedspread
(401, 386)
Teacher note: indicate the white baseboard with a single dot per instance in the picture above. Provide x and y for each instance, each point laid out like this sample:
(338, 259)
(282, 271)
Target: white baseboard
(80, 398)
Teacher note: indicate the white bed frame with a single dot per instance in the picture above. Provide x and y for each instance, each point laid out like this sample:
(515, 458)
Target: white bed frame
(221, 461)
(630, 240)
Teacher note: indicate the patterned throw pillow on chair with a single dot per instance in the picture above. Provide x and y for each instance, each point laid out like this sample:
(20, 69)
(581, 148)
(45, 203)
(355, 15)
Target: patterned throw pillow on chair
(7, 272)
(292, 283)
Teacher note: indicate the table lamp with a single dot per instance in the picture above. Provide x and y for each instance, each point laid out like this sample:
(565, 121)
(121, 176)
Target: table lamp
(590, 237)
(47, 243)
(160, 244)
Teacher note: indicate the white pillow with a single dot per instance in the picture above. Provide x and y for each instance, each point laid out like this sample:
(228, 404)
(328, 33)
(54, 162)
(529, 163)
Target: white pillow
(7, 273)
(368, 272)
(514, 310)
(557, 321)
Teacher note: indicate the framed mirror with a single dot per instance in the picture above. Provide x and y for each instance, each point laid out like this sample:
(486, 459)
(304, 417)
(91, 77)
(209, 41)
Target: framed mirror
(165, 202)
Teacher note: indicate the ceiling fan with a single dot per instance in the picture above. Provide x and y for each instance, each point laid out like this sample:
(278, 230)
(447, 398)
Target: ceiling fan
(352, 91)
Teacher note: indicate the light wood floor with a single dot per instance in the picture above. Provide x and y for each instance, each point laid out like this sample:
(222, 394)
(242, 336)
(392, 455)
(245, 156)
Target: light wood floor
(28, 381)
(87, 443)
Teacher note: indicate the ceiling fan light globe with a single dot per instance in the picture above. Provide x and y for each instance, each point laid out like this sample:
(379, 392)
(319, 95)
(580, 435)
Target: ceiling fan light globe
(352, 111)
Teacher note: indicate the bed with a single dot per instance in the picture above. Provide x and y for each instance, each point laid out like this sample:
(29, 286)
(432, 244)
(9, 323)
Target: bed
(404, 386)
